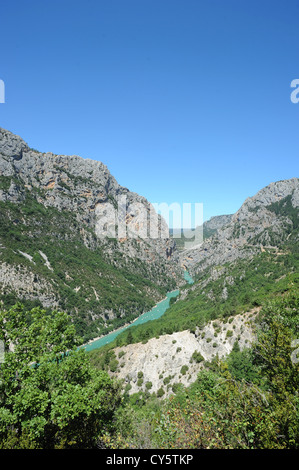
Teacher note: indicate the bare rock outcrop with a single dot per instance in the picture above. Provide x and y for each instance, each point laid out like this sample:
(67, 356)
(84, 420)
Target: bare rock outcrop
(177, 358)
(257, 224)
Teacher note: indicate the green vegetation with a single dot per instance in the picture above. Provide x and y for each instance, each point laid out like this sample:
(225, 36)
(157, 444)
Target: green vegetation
(184, 369)
(247, 401)
(286, 237)
(250, 283)
(83, 278)
(53, 396)
(50, 395)
(285, 208)
(197, 357)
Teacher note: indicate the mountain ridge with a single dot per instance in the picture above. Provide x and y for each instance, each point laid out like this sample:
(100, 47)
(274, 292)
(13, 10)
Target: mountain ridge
(50, 206)
(254, 225)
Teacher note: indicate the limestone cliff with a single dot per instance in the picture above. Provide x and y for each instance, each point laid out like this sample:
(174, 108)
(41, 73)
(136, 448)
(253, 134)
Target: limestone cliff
(267, 219)
(177, 358)
(50, 249)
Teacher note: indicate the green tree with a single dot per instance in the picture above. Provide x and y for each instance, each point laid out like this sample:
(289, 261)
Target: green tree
(50, 396)
(129, 337)
(273, 351)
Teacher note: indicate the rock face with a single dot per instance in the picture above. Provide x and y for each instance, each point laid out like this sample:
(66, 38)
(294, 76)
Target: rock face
(168, 360)
(25, 283)
(74, 184)
(54, 204)
(264, 220)
(214, 223)
(243, 257)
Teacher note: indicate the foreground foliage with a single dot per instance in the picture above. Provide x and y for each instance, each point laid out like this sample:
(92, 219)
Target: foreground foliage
(248, 401)
(50, 396)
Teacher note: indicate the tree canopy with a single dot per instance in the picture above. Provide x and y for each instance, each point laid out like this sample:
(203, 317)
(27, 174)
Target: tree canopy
(50, 395)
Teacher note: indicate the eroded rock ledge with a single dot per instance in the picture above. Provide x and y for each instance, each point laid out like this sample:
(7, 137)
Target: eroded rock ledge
(167, 360)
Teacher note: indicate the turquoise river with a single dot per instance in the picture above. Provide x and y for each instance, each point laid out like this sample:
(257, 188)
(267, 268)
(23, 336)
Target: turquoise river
(153, 314)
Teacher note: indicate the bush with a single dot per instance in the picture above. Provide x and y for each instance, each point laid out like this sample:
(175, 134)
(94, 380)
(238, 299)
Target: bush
(197, 357)
(184, 369)
(113, 365)
(58, 392)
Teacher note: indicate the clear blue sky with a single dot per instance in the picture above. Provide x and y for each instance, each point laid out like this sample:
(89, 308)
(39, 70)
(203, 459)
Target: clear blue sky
(183, 100)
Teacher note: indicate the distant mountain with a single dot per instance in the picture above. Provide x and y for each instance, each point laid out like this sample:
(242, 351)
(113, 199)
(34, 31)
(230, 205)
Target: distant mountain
(215, 223)
(50, 253)
(267, 220)
(208, 229)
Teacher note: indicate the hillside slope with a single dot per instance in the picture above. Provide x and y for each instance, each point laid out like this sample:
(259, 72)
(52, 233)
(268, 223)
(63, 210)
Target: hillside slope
(51, 253)
(250, 259)
(267, 220)
(165, 361)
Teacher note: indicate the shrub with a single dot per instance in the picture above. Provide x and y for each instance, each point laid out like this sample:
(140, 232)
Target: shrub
(184, 369)
(113, 365)
(197, 357)
(139, 382)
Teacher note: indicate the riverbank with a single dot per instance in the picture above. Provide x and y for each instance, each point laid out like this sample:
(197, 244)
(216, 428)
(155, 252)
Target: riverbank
(156, 312)
(121, 328)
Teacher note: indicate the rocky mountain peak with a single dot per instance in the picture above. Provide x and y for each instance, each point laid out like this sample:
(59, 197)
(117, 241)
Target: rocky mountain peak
(265, 219)
(270, 194)
(49, 201)
(11, 145)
